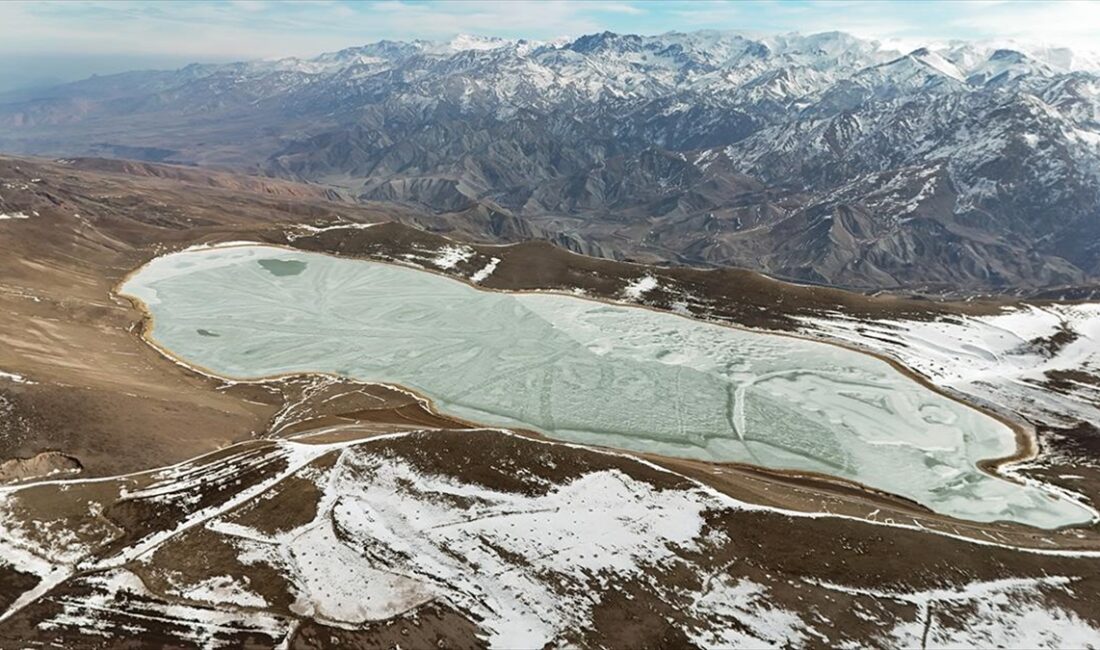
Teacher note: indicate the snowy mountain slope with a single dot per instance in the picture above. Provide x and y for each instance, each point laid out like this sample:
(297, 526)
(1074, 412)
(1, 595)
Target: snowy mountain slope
(628, 143)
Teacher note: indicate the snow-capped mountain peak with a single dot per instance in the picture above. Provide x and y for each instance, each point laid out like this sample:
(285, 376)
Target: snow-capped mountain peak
(990, 146)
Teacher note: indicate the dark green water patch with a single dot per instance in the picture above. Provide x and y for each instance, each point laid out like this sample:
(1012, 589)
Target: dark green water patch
(282, 267)
(203, 332)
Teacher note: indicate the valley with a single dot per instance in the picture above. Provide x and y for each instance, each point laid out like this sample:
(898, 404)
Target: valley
(465, 530)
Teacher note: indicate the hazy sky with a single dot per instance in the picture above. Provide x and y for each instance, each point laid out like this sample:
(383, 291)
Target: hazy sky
(52, 41)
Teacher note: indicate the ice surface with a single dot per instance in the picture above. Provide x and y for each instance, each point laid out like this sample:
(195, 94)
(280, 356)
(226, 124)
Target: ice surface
(1005, 359)
(591, 372)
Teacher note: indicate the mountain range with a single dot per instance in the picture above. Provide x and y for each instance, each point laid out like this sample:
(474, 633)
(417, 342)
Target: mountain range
(824, 158)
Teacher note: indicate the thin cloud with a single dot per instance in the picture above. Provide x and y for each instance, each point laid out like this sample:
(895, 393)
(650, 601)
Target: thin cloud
(618, 8)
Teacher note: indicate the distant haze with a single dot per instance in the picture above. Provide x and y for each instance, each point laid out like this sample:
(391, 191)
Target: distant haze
(43, 43)
(36, 71)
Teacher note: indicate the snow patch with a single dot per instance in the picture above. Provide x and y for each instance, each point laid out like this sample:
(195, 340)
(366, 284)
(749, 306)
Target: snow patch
(224, 590)
(13, 377)
(449, 256)
(221, 244)
(740, 616)
(639, 287)
(485, 271)
(305, 230)
(120, 594)
(1009, 614)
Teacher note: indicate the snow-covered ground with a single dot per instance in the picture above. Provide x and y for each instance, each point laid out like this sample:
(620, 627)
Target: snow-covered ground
(526, 562)
(13, 377)
(306, 230)
(119, 594)
(484, 272)
(449, 256)
(384, 509)
(1006, 360)
(639, 287)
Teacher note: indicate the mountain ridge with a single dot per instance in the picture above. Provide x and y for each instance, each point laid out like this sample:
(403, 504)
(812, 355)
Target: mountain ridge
(824, 158)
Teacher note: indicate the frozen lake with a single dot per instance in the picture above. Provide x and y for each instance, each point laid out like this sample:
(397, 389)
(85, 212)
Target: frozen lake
(589, 372)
